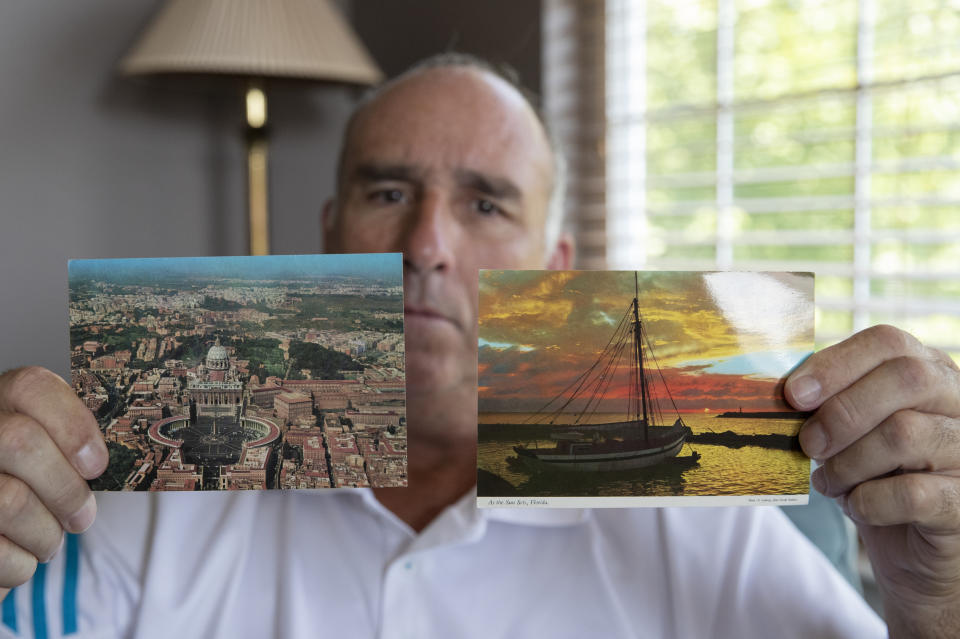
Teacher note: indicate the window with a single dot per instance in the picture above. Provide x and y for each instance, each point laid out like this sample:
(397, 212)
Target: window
(776, 135)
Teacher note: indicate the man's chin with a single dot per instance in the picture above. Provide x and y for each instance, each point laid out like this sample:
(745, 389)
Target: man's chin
(430, 375)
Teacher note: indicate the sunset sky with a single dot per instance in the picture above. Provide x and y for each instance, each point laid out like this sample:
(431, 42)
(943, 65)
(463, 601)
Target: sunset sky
(723, 340)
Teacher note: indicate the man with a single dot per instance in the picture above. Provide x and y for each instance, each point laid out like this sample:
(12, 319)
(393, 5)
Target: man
(450, 165)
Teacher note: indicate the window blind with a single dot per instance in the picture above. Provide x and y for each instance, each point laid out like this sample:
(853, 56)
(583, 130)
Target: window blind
(803, 135)
(574, 101)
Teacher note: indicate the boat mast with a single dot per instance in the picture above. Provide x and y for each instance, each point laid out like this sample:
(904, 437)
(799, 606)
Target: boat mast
(638, 345)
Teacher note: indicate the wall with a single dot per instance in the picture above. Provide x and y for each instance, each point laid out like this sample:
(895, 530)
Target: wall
(400, 32)
(97, 165)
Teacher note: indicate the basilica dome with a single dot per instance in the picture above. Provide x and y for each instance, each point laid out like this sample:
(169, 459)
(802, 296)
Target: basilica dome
(217, 358)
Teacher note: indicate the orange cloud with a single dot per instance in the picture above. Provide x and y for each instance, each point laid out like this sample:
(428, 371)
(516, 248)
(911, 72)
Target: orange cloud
(565, 319)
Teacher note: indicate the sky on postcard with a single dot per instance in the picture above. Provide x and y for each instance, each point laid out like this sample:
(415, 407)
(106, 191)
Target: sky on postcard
(384, 266)
(724, 341)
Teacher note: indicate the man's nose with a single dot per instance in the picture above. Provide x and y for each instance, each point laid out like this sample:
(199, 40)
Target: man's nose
(428, 242)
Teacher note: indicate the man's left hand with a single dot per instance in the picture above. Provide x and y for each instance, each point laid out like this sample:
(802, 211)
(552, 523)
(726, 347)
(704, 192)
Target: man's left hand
(887, 433)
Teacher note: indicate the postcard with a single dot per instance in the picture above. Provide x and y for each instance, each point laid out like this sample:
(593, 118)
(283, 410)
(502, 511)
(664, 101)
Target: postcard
(623, 388)
(226, 373)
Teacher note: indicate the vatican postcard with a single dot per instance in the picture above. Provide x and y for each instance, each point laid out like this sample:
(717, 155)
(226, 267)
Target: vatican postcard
(227, 373)
(625, 388)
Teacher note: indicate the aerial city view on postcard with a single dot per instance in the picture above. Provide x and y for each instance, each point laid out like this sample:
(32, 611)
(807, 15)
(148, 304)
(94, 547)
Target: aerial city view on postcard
(233, 373)
(625, 388)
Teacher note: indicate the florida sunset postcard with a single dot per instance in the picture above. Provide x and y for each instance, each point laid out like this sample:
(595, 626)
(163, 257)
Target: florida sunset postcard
(624, 388)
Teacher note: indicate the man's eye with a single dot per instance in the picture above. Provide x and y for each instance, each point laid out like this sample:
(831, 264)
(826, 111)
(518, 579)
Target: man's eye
(486, 207)
(389, 196)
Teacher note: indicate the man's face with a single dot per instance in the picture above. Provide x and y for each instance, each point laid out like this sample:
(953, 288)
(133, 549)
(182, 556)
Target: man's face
(451, 168)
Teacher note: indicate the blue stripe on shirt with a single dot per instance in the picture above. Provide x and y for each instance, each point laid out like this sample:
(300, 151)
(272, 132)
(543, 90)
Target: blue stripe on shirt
(71, 573)
(10, 610)
(39, 602)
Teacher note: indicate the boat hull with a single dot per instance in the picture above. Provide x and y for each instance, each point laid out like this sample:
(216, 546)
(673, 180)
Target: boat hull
(590, 460)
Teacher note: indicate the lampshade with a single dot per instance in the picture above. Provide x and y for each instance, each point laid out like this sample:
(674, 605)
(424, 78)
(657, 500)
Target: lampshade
(263, 38)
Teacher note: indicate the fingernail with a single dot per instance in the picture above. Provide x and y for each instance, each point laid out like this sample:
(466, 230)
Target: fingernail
(83, 518)
(819, 480)
(812, 439)
(89, 460)
(806, 391)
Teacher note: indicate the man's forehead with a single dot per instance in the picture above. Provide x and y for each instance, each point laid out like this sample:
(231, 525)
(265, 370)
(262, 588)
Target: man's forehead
(451, 119)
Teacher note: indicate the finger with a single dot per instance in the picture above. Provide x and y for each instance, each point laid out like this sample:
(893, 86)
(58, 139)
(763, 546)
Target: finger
(942, 356)
(833, 369)
(16, 564)
(907, 440)
(45, 397)
(897, 384)
(26, 522)
(925, 499)
(28, 453)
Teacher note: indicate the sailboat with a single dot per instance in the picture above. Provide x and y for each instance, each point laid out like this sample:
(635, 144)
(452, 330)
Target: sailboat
(643, 440)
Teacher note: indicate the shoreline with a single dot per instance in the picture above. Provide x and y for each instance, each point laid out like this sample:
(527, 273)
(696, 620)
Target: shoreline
(728, 438)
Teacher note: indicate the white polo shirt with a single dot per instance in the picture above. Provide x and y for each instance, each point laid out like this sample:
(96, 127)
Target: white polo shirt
(339, 564)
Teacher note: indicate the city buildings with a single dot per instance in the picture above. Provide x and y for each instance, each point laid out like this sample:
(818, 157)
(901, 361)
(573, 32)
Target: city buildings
(174, 377)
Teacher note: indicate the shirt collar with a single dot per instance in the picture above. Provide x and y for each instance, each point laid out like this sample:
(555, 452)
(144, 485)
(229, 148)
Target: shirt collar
(550, 517)
(465, 509)
(537, 516)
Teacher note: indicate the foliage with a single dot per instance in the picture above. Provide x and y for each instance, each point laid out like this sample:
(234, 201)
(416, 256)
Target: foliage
(220, 304)
(121, 463)
(192, 349)
(794, 107)
(341, 313)
(264, 354)
(323, 362)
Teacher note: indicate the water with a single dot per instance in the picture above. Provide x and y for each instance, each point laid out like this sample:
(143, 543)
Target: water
(750, 470)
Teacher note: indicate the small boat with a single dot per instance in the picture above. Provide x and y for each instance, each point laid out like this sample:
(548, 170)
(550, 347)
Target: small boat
(643, 440)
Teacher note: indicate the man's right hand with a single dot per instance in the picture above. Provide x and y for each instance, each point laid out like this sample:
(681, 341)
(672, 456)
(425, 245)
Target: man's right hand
(49, 445)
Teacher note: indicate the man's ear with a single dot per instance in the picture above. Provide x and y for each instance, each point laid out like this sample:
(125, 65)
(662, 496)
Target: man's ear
(326, 217)
(326, 223)
(561, 259)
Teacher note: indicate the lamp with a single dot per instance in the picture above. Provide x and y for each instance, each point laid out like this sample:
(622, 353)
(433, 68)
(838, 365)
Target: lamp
(253, 39)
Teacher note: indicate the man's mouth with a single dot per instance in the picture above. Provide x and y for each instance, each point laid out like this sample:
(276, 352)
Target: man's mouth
(424, 313)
